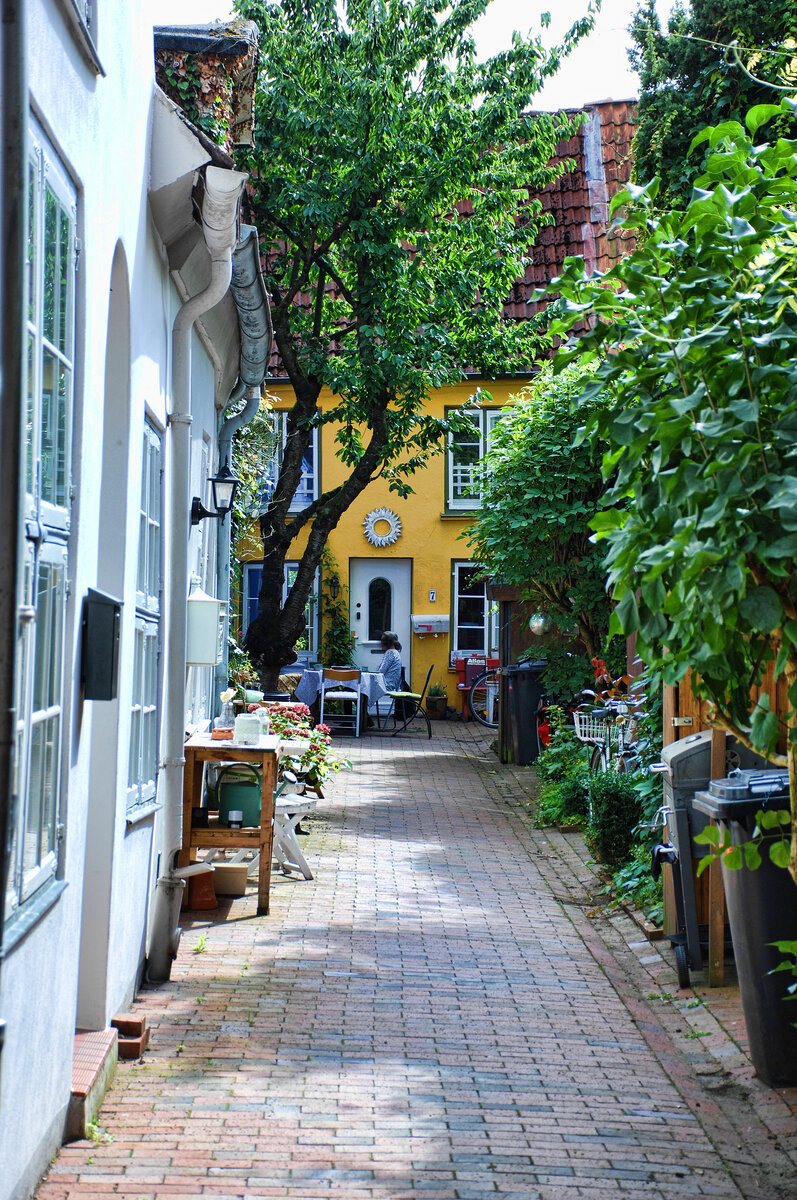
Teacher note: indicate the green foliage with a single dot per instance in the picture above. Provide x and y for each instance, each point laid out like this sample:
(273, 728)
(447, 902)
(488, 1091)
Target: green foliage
(615, 812)
(566, 756)
(566, 802)
(541, 484)
(395, 186)
(688, 80)
(770, 836)
(336, 647)
(634, 884)
(789, 951)
(697, 340)
(438, 688)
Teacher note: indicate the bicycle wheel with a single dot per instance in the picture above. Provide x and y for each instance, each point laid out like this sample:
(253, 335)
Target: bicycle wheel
(598, 759)
(483, 698)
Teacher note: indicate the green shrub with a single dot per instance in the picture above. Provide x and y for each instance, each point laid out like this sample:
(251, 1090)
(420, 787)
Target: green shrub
(615, 812)
(634, 884)
(566, 755)
(566, 802)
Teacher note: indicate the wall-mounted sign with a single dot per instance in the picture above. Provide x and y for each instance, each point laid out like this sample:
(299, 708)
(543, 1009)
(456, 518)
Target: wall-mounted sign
(382, 527)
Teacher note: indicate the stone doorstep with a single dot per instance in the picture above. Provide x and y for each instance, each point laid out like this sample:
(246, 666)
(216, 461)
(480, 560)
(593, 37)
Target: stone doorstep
(133, 1033)
(93, 1064)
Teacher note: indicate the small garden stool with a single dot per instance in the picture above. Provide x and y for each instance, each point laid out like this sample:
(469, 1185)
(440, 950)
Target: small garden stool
(288, 812)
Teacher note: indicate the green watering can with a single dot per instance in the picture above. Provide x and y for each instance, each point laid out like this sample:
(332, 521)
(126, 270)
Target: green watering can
(236, 792)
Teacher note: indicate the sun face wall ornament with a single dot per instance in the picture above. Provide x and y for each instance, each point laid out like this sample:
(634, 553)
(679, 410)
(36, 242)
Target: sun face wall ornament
(387, 516)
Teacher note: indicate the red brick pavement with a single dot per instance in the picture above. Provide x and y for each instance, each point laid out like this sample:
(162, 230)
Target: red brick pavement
(443, 1013)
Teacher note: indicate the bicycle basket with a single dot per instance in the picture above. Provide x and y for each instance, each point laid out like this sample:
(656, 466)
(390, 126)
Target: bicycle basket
(593, 729)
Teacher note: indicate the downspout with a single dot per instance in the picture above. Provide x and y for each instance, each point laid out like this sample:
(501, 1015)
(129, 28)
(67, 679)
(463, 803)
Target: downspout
(219, 228)
(254, 318)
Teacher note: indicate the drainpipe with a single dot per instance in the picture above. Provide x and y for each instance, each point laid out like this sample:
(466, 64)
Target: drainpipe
(254, 320)
(224, 535)
(219, 228)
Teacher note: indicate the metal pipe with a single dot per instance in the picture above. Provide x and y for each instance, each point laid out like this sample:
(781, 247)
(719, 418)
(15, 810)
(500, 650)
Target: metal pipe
(219, 228)
(254, 319)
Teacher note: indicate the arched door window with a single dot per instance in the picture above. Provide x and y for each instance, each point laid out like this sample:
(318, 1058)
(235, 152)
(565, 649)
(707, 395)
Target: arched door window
(380, 608)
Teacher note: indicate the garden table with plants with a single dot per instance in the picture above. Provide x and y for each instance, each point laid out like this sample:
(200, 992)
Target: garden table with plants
(201, 749)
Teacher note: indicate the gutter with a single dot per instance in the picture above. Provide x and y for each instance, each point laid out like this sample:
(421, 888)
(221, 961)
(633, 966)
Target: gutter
(254, 318)
(219, 228)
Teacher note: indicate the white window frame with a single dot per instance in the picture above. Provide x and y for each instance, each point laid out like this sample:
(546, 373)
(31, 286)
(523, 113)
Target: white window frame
(488, 625)
(142, 776)
(307, 490)
(35, 826)
(461, 477)
(254, 571)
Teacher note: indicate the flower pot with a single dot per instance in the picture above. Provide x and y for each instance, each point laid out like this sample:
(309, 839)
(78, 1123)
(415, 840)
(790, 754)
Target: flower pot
(436, 707)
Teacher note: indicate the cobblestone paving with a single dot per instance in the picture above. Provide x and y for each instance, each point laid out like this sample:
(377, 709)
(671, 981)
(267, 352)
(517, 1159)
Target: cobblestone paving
(441, 1014)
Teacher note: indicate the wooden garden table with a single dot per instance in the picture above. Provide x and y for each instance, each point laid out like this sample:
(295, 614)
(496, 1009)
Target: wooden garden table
(200, 749)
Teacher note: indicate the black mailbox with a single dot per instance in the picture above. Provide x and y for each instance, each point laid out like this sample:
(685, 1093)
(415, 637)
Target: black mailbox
(102, 621)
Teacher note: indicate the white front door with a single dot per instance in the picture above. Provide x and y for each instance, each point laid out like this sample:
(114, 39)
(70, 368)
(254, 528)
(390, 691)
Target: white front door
(379, 599)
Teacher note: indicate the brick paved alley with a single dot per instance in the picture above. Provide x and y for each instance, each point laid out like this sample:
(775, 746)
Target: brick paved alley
(445, 1012)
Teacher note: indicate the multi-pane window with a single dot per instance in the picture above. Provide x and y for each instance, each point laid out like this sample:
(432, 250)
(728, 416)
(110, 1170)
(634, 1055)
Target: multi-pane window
(308, 640)
(50, 307)
(466, 449)
(143, 759)
(475, 623)
(307, 491)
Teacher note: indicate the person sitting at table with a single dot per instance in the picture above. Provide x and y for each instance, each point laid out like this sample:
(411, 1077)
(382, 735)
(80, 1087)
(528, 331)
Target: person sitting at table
(390, 667)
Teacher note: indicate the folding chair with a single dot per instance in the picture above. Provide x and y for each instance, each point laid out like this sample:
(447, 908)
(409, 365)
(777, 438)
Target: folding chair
(412, 707)
(342, 683)
(288, 812)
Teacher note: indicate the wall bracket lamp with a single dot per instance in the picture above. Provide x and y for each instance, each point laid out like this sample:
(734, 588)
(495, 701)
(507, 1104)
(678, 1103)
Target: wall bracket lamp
(223, 486)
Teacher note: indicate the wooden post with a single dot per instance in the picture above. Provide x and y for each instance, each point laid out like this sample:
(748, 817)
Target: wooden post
(716, 892)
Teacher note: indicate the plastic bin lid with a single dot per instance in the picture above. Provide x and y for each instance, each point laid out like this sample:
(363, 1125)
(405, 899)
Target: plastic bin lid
(515, 668)
(742, 794)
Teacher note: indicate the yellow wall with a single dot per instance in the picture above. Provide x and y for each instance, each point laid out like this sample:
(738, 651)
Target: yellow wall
(430, 537)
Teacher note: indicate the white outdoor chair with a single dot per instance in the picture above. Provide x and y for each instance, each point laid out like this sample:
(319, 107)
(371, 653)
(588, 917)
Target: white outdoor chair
(342, 683)
(289, 808)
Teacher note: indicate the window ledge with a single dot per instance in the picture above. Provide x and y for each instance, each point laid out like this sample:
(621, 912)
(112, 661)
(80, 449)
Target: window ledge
(459, 514)
(136, 815)
(19, 925)
(80, 32)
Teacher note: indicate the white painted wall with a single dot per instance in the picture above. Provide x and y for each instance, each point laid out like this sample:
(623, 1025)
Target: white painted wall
(101, 130)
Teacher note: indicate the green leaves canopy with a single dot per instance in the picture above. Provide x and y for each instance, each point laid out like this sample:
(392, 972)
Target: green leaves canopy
(541, 484)
(697, 338)
(393, 186)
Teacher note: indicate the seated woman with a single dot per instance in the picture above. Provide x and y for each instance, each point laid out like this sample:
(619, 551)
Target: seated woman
(390, 667)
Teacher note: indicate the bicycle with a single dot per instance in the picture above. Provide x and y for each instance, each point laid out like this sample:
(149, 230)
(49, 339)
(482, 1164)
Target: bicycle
(611, 730)
(483, 697)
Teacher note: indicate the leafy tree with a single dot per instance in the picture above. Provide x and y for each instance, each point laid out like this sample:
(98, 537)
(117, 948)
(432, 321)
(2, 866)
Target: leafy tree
(539, 491)
(696, 337)
(688, 79)
(395, 186)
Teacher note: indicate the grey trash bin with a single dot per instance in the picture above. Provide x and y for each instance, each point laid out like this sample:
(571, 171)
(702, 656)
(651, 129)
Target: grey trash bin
(762, 908)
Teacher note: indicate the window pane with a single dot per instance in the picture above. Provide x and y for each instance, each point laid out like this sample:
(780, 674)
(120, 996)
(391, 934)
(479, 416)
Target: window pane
(30, 418)
(49, 632)
(51, 267)
(32, 272)
(470, 612)
(379, 608)
(62, 435)
(64, 258)
(471, 639)
(469, 582)
(42, 792)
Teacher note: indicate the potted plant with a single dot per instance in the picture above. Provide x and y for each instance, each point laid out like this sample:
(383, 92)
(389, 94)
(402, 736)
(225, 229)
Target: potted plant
(437, 701)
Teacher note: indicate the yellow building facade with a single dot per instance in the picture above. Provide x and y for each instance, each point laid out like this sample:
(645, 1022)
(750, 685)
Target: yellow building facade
(403, 564)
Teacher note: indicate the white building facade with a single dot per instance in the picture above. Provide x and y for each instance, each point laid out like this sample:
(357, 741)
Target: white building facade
(115, 187)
